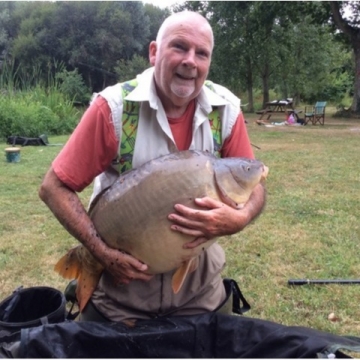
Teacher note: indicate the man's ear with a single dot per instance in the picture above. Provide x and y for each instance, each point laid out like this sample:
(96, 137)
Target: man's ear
(152, 52)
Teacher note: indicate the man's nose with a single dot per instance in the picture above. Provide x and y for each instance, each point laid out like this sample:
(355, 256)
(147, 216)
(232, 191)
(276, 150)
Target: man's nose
(190, 58)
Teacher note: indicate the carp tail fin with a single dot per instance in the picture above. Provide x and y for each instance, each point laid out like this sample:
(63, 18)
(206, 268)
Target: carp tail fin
(68, 266)
(180, 274)
(87, 272)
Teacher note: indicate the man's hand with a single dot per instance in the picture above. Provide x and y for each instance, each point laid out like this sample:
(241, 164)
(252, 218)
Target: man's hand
(216, 218)
(122, 266)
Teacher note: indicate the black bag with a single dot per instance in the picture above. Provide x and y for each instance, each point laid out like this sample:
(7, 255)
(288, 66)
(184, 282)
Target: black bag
(26, 141)
(300, 121)
(31, 307)
(210, 335)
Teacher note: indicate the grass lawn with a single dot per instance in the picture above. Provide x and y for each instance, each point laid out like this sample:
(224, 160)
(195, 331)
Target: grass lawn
(309, 228)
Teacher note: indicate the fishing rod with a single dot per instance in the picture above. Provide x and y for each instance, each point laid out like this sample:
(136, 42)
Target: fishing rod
(323, 281)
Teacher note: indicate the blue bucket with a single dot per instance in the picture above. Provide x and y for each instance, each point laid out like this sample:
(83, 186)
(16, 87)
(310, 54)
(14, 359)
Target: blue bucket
(12, 154)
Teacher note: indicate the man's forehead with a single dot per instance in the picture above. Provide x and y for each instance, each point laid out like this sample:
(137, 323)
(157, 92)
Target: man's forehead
(186, 30)
(194, 23)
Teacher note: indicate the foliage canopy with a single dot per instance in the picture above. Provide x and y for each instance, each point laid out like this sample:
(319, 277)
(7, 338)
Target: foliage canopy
(303, 50)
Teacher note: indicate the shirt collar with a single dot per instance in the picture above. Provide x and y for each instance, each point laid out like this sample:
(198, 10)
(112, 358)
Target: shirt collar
(146, 91)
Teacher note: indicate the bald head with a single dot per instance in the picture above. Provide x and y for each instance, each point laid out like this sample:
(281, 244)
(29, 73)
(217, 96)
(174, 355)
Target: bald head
(181, 56)
(180, 18)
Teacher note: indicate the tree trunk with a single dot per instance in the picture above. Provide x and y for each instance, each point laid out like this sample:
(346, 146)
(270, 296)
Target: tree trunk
(265, 85)
(250, 106)
(249, 86)
(296, 99)
(355, 106)
(90, 82)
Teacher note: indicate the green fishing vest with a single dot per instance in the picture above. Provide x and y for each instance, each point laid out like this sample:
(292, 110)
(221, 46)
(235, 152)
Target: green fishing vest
(130, 119)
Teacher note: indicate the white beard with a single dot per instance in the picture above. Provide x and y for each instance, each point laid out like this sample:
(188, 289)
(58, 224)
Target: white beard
(182, 91)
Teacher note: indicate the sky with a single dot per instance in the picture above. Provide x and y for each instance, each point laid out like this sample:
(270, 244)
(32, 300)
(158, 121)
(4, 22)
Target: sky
(163, 3)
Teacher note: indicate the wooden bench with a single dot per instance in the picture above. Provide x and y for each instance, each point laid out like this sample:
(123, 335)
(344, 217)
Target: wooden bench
(264, 112)
(260, 112)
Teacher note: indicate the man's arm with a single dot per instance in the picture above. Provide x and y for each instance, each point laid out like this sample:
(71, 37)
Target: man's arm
(68, 209)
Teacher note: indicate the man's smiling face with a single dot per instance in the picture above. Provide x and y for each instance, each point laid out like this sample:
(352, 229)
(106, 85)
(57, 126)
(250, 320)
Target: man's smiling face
(182, 61)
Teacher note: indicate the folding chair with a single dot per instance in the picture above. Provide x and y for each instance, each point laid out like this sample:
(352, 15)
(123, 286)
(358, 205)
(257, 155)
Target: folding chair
(316, 114)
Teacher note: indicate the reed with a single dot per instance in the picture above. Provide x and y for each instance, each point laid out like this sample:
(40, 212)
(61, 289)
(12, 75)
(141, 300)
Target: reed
(32, 104)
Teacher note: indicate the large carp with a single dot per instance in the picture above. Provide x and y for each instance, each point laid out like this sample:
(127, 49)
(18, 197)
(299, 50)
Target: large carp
(132, 214)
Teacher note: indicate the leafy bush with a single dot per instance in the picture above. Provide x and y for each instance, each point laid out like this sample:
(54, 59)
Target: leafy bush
(31, 107)
(72, 85)
(23, 113)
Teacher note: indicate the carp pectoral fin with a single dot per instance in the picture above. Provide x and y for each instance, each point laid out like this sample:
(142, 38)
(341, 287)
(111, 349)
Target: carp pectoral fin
(80, 265)
(194, 264)
(85, 287)
(242, 195)
(181, 273)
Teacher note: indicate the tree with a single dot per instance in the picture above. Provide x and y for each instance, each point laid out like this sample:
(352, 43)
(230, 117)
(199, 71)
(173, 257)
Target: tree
(88, 36)
(156, 17)
(235, 46)
(233, 61)
(274, 46)
(126, 70)
(34, 45)
(308, 60)
(4, 35)
(251, 39)
(351, 28)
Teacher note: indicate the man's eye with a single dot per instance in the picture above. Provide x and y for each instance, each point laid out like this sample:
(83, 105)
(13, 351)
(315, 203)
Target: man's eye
(179, 46)
(203, 54)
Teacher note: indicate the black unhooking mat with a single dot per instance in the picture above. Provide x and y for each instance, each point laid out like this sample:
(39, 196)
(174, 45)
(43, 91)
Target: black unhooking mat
(210, 335)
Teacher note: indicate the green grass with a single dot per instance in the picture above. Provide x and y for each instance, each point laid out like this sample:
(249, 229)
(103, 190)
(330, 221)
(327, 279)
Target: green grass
(30, 238)
(309, 228)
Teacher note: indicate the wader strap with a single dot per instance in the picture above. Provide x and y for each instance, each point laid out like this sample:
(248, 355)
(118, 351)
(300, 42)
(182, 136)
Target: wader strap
(70, 296)
(234, 299)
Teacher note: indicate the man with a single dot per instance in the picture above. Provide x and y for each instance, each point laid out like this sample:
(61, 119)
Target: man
(174, 115)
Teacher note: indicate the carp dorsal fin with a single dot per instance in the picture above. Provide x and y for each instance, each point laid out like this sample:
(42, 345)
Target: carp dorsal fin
(180, 274)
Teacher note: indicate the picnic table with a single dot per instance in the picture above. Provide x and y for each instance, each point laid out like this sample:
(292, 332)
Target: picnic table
(278, 107)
